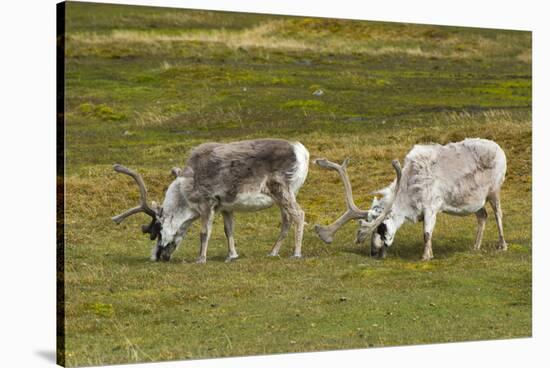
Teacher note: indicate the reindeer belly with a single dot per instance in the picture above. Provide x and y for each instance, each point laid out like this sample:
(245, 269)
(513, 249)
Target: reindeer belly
(463, 209)
(248, 202)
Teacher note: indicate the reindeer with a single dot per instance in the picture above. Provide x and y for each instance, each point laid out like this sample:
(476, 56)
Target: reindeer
(232, 177)
(457, 178)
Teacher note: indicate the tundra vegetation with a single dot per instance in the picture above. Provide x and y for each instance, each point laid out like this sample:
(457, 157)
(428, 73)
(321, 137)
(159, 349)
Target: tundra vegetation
(144, 85)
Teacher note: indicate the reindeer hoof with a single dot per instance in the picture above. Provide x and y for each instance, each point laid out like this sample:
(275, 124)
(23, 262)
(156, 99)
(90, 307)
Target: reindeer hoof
(201, 260)
(323, 234)
(296, 256)
(502, 246)
(231, 258)
(272, 254)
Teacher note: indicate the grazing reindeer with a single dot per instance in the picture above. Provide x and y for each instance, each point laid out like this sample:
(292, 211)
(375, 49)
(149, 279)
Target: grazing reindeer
(457, 179)
(240, 176)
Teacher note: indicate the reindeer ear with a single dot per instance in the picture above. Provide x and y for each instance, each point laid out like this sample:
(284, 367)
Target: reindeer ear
(176, 171)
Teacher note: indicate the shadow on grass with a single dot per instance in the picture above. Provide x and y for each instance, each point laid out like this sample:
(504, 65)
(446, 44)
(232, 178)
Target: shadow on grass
(359, 249)
(412, 251)
(131, 259)
(221, 259)
(137, 260)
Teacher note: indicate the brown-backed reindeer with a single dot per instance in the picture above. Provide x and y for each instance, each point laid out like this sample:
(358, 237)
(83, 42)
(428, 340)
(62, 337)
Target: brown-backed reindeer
(457, 178)
(232, 177)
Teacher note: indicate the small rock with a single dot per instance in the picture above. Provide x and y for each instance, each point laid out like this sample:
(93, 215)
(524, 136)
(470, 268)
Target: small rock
(318, 92)
(343, 298)
(127, 133)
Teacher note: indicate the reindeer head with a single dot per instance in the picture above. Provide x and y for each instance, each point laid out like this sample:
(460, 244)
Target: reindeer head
(372, 221)
(383, 235)
(169, 222)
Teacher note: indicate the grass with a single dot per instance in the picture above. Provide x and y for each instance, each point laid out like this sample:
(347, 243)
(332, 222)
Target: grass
(144, 85)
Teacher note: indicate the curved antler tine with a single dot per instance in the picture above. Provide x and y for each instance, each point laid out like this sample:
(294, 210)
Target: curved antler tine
(326, 164)
(143, 207)
(346, 162)
(397, 166)
(139, 180)
(119, 218)
(326, 233)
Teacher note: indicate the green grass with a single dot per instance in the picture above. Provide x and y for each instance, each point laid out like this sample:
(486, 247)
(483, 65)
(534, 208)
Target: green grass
(145, 85)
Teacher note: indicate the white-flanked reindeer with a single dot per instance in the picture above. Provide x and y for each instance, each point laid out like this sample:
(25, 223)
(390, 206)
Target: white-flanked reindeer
(232, 177)
(457, 178)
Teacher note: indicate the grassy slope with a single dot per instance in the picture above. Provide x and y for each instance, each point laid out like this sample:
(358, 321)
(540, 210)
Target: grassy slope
(144, 85)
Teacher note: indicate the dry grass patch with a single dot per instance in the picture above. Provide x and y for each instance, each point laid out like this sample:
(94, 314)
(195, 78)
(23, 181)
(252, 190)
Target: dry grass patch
(412, 40)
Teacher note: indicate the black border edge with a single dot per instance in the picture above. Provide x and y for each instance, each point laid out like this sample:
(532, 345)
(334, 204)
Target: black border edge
(60, 182)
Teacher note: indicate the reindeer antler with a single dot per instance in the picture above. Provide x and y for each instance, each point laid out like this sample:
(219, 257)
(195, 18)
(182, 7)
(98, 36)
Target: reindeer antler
(326, 233)
(143, 207)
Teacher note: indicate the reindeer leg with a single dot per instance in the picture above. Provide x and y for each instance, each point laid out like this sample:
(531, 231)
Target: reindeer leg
(228, 229)
(287, 201)
(429, 224)
(494, 199)
(285, 226)
(481, 220)
(207, 219)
